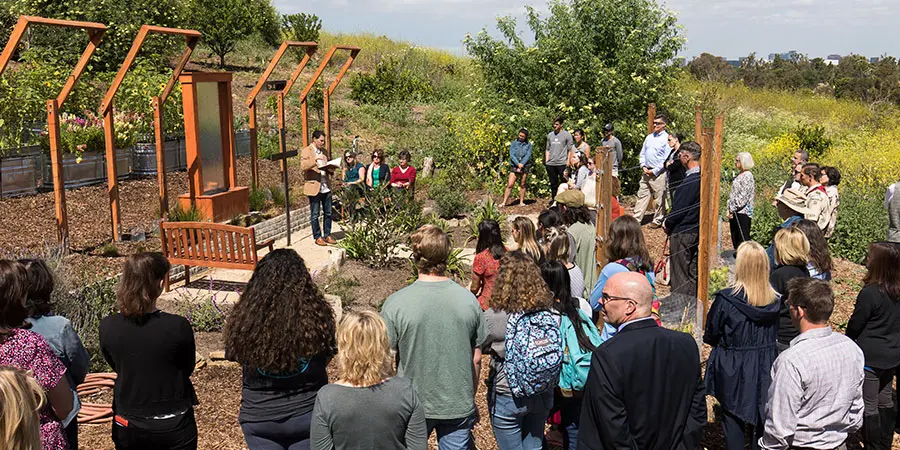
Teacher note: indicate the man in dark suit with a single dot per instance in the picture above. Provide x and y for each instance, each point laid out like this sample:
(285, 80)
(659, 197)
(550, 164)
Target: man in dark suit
(644, 390)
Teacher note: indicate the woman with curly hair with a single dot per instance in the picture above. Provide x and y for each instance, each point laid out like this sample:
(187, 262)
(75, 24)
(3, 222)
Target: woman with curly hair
(819, 264)
(518, 422)
(367, 397)
(153, 353)
(281, 331)
(22, 397)
(526, 238)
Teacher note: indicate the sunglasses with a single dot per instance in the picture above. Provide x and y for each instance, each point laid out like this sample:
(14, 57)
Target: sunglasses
(659, 123)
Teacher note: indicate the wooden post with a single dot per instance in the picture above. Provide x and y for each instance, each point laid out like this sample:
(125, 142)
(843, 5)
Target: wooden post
(708, 208)
(327, 118)
(56, 164)
(603, 162)
(651, 113)
(160, 159)
(254, 150)
(112, 185)
(716, 146)
(304, 119)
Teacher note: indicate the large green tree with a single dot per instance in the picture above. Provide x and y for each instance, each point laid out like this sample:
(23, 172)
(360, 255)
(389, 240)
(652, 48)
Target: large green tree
(612, 56)
(223, 23)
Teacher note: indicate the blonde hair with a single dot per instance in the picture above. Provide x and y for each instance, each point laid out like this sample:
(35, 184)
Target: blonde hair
(526, 238)
(751, 274)
(23, 397)
(746, 160)
(364, 351)
(791, 247)
(556, 244)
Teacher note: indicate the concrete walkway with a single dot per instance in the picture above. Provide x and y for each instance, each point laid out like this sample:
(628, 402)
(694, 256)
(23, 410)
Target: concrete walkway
(318, 259)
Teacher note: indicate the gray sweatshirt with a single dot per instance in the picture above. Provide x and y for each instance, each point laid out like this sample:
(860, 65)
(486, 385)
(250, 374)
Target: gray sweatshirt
(558, 146)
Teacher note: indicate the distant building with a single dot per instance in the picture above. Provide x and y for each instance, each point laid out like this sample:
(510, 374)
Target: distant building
(787, 56)
(874, 60)
(736, 63)
(833, 60)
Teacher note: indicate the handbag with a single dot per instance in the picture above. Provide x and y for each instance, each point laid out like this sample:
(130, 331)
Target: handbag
(663, 266)
(589, 189)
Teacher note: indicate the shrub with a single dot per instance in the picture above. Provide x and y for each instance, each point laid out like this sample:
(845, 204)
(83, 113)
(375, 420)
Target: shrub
(485, 210)
(861, 220)
(258, 199)
(382, 224)
(812, 139)
(201, 309)
(110, 250)
(278, 197)
(449, 202)
(85, 308)
(179, 214)
(341, 286)
(392, 82)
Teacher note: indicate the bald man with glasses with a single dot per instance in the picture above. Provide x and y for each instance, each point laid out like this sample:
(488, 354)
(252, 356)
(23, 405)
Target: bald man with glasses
(644, 389)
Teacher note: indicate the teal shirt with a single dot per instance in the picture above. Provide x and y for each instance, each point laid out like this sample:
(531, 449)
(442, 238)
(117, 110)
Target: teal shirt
(435, 327)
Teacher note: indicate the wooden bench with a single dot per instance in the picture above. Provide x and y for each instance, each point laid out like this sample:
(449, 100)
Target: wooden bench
(207, 244)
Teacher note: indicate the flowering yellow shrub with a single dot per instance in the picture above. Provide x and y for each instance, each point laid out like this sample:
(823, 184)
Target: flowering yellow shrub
(866, 159)
(778, 151)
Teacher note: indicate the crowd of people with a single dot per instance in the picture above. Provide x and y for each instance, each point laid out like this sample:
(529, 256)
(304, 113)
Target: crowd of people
(566, 339)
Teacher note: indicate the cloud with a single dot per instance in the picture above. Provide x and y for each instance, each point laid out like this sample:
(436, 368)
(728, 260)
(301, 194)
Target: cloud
(729, 28)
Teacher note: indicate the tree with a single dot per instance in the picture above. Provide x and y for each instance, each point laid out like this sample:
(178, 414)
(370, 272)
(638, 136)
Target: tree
(223, 23)
(301, 27)
(709, 67)
(603, 56)
(268, 22)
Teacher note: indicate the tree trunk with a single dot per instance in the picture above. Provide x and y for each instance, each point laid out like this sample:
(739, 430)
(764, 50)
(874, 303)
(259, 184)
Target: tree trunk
(222, 60)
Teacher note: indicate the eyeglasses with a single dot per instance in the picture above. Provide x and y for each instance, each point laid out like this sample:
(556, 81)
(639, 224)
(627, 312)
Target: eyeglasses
(606, 298)
(659, 123)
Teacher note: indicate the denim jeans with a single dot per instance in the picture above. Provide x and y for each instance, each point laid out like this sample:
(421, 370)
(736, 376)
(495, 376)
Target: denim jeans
(518, 423)
(453, 434)
(320, 203)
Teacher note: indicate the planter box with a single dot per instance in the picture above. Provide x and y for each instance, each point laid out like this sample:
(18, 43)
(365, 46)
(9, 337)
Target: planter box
(90, 171)
(242, 143)
(123, 163)
(144, 157)
(20, 173)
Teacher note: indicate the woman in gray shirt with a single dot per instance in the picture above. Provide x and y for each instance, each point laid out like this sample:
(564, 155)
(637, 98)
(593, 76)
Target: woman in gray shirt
(367, 408)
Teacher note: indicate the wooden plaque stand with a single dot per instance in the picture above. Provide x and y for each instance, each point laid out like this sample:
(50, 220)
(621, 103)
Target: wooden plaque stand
(217, 199)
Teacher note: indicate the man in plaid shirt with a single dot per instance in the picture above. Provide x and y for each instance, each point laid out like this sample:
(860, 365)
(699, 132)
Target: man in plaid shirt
(815, 399)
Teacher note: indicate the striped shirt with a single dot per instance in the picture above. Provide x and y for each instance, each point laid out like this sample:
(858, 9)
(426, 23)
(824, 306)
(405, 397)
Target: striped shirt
(815, 399)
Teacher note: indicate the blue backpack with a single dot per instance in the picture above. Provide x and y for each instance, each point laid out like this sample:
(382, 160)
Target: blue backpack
(576, 361)
(534, 352)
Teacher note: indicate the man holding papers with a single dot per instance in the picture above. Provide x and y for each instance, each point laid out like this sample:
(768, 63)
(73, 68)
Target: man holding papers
(316, 170)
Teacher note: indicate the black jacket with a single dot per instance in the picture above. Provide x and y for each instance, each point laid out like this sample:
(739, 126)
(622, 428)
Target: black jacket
(675, 173)
(644, 392)
(875, 326)
(742, 337)
(779, 281)
(685, 215)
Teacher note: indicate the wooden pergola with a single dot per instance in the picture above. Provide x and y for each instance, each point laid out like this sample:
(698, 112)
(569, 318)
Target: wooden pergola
(251, 99)
(95, 33)
(304, 115)
(106, 109)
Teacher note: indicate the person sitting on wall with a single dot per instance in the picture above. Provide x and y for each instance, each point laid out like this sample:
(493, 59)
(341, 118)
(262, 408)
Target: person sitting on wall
(378, 173)
(404, 175)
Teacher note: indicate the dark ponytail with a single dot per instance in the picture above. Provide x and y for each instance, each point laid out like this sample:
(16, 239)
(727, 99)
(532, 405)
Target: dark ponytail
(557, 278)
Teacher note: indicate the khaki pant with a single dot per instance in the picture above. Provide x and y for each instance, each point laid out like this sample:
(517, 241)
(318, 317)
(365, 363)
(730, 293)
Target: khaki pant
(651, 187)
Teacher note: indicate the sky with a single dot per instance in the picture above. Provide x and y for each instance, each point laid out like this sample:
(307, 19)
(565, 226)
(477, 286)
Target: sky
(729, 28)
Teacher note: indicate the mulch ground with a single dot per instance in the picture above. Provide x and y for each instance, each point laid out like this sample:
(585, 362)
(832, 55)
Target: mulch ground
(219, 385)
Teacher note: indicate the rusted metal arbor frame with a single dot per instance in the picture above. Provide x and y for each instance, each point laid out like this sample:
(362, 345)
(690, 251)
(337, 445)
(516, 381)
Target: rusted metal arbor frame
(311, 48)
(95, 32)
(326, 93)
(106, 109)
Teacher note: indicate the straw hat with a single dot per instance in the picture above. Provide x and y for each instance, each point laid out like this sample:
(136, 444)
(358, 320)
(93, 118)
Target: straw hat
(793, 199)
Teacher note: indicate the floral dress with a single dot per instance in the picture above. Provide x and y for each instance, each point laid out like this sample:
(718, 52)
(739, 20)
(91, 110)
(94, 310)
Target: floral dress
(27, 350)
(486, 267)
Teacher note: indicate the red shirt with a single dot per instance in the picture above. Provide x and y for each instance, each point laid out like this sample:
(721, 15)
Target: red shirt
(398, 176)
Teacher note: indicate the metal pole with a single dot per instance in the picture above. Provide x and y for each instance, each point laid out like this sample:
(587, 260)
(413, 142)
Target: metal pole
(284, 168)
